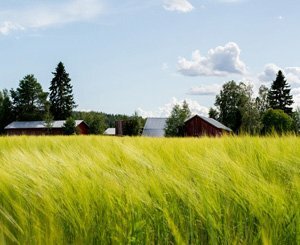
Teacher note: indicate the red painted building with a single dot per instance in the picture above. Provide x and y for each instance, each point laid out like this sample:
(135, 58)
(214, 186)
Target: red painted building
(40, 128)
(197, 126)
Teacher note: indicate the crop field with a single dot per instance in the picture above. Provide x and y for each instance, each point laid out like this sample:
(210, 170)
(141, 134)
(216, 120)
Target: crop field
(109, 190)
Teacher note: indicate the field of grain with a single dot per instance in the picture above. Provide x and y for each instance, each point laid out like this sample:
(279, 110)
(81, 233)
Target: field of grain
(109, 190)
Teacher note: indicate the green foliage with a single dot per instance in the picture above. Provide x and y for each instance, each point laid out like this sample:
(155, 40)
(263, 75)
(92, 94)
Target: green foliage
(95, 120)
(262, 101)
(229, 102)
(229, 190)
(251, 117)
(296, 120)
(61, 94)
(279, 95)
(6, 113)
(29, 100)
(213, 113)
(277, 121)
(48, 118)
(133, 125)
(99, 121)
(175, 123)
(69, 127)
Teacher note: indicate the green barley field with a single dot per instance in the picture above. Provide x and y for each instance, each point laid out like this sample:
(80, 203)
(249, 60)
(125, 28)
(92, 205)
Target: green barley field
(109, 190)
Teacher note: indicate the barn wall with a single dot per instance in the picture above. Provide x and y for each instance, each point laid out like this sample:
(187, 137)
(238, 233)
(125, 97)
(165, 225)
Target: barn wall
(196, 127)
(53, 131)
(82, 128)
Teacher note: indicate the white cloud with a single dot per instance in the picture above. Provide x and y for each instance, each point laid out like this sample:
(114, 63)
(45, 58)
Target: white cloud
(165, 66)
(220, 61)
(6, 27)
(48, 14)
(183, 6)
(165, 110)
(280, 17)
(205, 90)
(292, 74)
(269, 73)
(296, 97)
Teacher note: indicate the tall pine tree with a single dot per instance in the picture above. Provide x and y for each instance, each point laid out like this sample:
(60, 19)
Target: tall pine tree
(61, 94)
(279, 95)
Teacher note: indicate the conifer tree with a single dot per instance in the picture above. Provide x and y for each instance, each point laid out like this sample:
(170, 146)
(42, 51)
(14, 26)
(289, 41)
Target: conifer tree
(29, 99)
(6, 114)
(61, 94)
(279, 95)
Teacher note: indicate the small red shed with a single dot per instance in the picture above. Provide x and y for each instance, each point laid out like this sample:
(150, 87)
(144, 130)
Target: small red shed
(197, 126)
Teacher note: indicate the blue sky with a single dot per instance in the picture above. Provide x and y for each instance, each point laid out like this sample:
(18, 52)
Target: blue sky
(145, 55)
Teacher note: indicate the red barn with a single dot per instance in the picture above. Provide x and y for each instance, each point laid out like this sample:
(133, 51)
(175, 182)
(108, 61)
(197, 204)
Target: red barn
(196, 126)
(41, 128)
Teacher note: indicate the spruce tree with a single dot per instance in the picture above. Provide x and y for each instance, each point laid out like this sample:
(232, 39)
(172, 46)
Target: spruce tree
(61, 94)
(279, 95)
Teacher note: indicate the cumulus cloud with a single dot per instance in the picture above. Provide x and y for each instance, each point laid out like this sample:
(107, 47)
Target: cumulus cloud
(220, 61)
(48, 13)
(205, 90)
(182, 6)
(292, 74)
(165, 110)
(6, 27)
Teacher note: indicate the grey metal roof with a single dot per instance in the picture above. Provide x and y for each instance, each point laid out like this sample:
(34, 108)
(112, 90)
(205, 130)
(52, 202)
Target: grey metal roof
(110, 131)
(155, 127)
(37, 124)
(211, 121)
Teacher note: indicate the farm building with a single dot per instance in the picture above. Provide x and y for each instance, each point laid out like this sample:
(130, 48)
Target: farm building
(110, 131)
(40, 128)
(154, 127)
(120, 127)
(196, 126)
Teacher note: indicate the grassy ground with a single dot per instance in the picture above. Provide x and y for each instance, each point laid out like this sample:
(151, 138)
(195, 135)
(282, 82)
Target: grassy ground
(107, 190)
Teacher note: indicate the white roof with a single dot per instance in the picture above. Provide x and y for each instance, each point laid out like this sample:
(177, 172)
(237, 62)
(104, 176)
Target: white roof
(37, 124)
(155, 127)
(110, 131)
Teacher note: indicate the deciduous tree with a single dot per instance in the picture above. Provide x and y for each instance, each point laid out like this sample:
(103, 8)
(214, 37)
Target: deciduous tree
(175, 123)
(277, 121)
(229, 102)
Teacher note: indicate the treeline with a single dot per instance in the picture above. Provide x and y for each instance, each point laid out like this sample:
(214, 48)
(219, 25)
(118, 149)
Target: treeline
(236, 107)
(30, 103)
(99, 121)
(271, 111)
